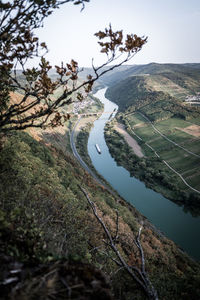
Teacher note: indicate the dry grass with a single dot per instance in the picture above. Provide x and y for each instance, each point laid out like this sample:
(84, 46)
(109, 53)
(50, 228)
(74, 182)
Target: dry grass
(130, 141)
(193, 130)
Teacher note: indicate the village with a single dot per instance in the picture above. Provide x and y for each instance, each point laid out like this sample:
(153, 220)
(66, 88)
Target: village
(193, 99)
(79, 106)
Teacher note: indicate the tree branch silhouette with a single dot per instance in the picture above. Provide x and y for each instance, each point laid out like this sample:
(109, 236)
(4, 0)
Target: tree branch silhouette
(38, 106)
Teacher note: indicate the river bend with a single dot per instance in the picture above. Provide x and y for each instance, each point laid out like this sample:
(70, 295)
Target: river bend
(168, 217)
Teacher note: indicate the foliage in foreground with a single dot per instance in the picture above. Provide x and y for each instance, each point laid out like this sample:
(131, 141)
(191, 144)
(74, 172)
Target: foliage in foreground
(44, 218)
(18, 44)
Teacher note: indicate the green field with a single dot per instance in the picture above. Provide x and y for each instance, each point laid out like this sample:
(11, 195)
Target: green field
(134, 119)
(152, 107)
(186, 164)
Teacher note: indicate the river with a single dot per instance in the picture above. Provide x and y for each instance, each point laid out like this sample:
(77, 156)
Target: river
(168, 217)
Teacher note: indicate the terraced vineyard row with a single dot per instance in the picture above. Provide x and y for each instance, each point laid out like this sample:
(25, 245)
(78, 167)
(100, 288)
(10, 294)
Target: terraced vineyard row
(183, 162)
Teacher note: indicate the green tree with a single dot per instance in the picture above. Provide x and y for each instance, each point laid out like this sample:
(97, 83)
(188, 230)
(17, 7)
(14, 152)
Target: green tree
(18, 44)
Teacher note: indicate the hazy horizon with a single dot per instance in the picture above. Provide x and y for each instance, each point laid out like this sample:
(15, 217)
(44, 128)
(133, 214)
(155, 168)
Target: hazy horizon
(172, 28)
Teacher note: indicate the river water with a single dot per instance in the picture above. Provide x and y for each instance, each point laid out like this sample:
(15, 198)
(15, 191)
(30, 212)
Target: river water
(168, 217)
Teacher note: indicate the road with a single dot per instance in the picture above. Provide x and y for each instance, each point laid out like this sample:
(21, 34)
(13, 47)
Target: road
(83, 164)
(197, 191)
(164, 136)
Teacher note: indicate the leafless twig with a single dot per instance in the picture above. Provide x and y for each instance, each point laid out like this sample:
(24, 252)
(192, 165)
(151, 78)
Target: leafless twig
(140, 276)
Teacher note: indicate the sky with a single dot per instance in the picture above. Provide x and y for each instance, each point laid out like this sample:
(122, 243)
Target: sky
(172, 28)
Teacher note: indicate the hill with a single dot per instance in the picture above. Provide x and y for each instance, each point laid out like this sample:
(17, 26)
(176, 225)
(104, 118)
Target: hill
(51, 240)
(182, 70)
(152, 94)
(155, 111)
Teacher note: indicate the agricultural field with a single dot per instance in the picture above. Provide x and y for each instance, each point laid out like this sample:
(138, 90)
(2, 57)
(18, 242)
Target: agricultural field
(153, 107)
(185, 160)
(161, 83)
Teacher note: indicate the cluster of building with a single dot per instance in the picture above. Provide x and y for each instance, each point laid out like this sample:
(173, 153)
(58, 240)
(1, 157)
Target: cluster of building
(80, 105)
(193, 98)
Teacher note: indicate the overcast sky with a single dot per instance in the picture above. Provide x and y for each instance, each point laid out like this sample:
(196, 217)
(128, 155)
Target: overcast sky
(172, 27)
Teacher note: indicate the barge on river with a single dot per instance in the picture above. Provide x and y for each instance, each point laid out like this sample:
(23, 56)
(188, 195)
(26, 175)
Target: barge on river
(98, 149)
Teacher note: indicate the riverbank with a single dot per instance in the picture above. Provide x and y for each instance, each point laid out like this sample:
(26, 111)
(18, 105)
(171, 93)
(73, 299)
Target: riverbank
(80, 142)
(168, 217)
(129, 139)
(81, 146)
(150, 170)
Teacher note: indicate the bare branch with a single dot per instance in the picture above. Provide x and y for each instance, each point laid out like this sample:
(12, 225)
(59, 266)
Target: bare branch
(19, 44)
(117, 227)
(143, 279)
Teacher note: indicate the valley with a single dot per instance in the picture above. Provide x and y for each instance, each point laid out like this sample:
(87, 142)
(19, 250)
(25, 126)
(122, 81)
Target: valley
(48, 227)
(99, 150)
(166, 129)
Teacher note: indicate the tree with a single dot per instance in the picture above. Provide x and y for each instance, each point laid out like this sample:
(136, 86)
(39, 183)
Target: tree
(18, 43)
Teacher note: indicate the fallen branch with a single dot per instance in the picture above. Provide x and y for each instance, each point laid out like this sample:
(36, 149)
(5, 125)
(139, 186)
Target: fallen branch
(140, 276)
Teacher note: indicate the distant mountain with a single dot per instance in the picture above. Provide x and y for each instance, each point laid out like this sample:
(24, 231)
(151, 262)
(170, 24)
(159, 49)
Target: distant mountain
(191, 70)
(109, 77)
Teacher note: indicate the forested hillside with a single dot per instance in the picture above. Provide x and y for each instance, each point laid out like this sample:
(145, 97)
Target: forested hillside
(63, 233)
(49, 232)
(182, 72)
(140, 93)
(158, 89)
(159, 107)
